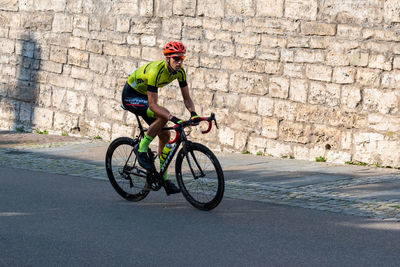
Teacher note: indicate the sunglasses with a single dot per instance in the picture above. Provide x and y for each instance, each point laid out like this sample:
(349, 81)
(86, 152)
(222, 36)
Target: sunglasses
(178, 58)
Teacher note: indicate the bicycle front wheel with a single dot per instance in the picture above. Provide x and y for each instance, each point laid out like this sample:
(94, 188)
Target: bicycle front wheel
(200, 176)
(123, 170)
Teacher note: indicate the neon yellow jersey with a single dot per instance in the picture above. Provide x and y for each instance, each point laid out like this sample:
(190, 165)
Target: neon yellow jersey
(153, 75)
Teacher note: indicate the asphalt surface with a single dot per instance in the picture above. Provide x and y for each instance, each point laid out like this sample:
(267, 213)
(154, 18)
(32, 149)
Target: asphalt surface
(365, 191)
(61, 220)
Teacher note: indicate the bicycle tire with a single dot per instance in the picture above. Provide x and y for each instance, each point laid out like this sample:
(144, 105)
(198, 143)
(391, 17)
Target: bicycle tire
(120, 163)
(204, 193)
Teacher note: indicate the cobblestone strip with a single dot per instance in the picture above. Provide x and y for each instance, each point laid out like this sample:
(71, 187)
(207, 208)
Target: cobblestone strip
(318, 196)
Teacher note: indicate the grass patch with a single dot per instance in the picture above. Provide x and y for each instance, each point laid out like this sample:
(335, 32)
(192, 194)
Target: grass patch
(259, 153)
(320, 159)
(246, 152)
(64, 134)
(98, 137)
(41, 132)
(20, 129)
(358, 163)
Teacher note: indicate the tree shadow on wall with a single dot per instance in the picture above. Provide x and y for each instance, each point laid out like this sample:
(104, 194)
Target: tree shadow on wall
(24, 94)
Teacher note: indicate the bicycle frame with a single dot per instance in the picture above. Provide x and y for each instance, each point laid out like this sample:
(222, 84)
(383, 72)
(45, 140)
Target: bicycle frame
(178, 140)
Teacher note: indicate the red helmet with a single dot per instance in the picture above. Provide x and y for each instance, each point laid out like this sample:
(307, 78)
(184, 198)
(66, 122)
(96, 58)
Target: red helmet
(174, 48)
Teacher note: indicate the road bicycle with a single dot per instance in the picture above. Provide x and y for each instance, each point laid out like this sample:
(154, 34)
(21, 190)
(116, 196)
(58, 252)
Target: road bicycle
(197, 170)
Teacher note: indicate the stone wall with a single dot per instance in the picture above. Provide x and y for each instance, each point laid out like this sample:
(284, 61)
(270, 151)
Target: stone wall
(295, 78)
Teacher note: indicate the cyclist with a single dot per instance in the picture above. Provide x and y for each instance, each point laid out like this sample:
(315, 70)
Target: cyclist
(140, 96)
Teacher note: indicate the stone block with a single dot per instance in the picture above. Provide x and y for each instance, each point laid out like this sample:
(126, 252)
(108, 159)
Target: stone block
(7, 46)
(359, 59)
(392, 11)
(172, 28)
(309, 56)
(62, 23)
(245, 51)
(344, 75)
(94, 46)
(325, 135)
(42, 118)
(211, 8)
(268, 53)
(355, 12)
(270, 127)
(298, 90)
(226, 136)
(78, 43)
(74, 6)
(65, 122)
(151, 54)
(391, 79)
(381, 122)
(285, 110)
(120, 130)
(78, 58)
(317, 93)
(53, 5)
(351, 97)
(60, 81)
(338, 157)
(279, 87)
(254, 66)
(217, 80)
(240, 140)
(210, 62)
(213, 24)
(271, 26)
(384, 102)
(370, 77)
(222, 100)
(116, 50)
(127, 8)
(233, 24)
(334, 58)
(318, 28)
(265, 106)
(51, 66)
(58, 54)
(185, 7)
(98, 63)
(123, 24)
(349, 32)
(10, 5)
(294, 132)
(240, 8)
(278, 149)
(248, 104)
(346, 140)
(273, 41)
(96, 127)
(293, 70)
(273, 67)
(380, 62)
(269, 8)
(146, 8)
(256, 144)
(81, 73)
(249, 83)
(301, 9)
(319, 72)
(381, 35)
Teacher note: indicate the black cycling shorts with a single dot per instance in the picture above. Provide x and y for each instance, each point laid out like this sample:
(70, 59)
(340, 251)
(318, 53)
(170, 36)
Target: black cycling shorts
(137, 103)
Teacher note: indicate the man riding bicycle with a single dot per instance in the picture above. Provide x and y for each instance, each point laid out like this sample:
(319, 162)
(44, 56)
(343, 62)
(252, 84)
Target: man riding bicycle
(140, 96)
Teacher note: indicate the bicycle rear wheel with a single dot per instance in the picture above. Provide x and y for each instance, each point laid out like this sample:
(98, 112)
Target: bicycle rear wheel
(200, 176)
(123, 170)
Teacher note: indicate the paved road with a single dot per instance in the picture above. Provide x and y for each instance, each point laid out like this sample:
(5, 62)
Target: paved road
(58, 220)
(354, 190)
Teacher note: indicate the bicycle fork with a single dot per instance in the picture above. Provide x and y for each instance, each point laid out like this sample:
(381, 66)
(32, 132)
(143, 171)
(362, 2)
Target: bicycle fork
(190, 154)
